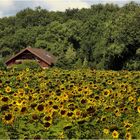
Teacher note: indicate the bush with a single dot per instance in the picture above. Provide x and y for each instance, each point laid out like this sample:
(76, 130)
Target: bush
(132, 65)
(26, 64)
(2, 65)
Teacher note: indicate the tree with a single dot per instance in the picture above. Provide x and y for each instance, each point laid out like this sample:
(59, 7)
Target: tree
(103, 36)
(85, 63)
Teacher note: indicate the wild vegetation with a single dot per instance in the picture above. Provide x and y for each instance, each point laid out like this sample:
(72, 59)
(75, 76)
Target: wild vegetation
(79, 104)
(101, 37)
(83, 96)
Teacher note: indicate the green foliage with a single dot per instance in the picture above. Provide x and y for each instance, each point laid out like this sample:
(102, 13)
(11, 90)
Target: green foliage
(3, 133)
(26, 64)
(85, 63)
(78, 63)
(108, 36)
(138, 52)
(132, 65)
(5, 52)
(115, 50)
(114, 56)
(70, 55)
(2, 65)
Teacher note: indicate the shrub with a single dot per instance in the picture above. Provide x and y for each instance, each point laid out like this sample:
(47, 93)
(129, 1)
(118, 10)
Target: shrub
(26, 64)
(2, 65)
(132, 65)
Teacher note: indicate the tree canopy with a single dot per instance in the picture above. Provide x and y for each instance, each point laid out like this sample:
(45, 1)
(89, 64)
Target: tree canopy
(100, 37)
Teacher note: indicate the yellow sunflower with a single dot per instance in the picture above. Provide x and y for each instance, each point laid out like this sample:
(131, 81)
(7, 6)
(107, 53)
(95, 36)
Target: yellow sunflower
(35, 117)
(8, 118)
(18, 78)
(77, 113)
(5, 99)
(37, 137)
(8, 89)
(127, 125)
(109, 82)
(40, 107)
(83, 100)
(26, 85)
(115, 134)
(138, 109)
(47, 124)
(20, 90)
(131, 99)
(47, 118)
(106, 131)
(55, 107)
(103, 118)
(128, 136)
(23, 109)
(63, 112)
(117, 112)
(27, 69)
(70, 114)
(138, 99)
(61, 135)
(94, 86)
(19, 102)
(106, 92)
(64, 96)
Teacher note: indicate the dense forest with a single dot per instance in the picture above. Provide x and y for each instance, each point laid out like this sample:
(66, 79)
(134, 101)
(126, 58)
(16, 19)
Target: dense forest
(101, 37)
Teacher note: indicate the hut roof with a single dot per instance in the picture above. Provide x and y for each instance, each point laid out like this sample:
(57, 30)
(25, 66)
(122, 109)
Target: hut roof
(40, 53)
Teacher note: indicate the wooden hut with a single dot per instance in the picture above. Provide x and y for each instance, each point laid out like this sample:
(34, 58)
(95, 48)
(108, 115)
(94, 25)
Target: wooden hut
(41, 56)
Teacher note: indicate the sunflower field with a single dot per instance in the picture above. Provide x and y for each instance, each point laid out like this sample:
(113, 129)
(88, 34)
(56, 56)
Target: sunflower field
(69, 104)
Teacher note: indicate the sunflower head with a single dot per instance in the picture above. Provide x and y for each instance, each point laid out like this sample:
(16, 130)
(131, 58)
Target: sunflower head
(83, 101)
(106, 131)
(128, 136)
(23, 109)
(21, 90)
(117, 112)
(33, 105)
(139, 99)
(4, 107)
(109, 82)
(63, 112)
(5, 99)
(131, 99)
(47, 124)
(47, 118)
(8, 118)
(35, 117)
(26, 86)
(37, 137)
(103, 118)
(128, 126)
(115, 134)
(90, 110)
(55, 107)
(69, 114)
(138, 109)
(8, 89)
(40, 107)
(94, 86)
(77, 113)
(106, 93)
(27, 69)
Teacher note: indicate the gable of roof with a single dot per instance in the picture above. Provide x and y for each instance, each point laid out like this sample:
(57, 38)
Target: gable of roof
(40, 53)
